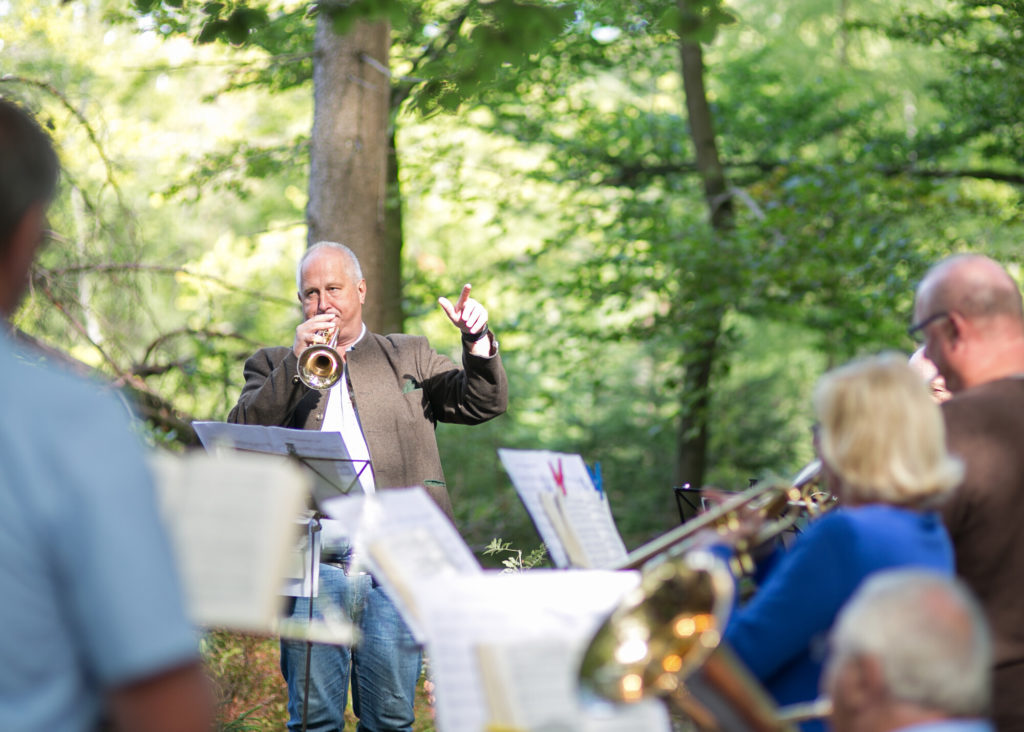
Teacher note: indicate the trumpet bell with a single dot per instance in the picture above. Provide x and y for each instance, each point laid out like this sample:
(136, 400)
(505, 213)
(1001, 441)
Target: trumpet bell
(661, 632)
(320, 367)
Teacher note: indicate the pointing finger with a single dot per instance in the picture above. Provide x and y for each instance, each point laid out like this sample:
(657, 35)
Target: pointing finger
(447, 306)
(462, 298)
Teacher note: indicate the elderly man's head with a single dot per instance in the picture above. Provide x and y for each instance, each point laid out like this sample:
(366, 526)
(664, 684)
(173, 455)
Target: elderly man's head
(910, 646)
(28, 178)
(969, 313)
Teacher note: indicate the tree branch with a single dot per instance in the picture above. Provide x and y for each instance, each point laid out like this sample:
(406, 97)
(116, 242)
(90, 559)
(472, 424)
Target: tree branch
(632, 175)
(149, 405)
(89, 131)
(43, 275)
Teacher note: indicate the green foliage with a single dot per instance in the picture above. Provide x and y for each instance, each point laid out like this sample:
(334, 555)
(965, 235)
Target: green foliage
(515, 562)
(455, 50)
(562, 187)
(983, 75)
(498, 34)
(250, 692)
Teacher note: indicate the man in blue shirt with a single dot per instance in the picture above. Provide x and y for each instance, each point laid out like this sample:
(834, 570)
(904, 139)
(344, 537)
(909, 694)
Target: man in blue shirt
(92, 613)
(910, 651)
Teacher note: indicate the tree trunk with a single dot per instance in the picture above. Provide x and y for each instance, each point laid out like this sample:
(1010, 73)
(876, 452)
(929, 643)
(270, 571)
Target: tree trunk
(703, 329)
(392, 314)
(349, 149)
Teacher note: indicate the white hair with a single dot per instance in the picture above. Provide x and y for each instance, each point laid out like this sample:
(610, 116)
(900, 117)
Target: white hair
(357, 270)
(928, 634)
(883, 434)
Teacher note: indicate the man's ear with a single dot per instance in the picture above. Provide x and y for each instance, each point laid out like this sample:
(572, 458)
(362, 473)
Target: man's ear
(858, 684)
(958, 325)
(869, 679)
(17, 255)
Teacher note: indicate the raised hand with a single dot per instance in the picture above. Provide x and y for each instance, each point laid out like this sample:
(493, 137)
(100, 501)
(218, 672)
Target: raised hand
(467, 314)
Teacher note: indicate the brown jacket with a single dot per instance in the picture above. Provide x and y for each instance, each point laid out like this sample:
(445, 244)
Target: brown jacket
(400, 387)
(985, 519)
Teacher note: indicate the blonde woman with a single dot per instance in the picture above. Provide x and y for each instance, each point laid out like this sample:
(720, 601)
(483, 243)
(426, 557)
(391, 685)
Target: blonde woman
(881, 440)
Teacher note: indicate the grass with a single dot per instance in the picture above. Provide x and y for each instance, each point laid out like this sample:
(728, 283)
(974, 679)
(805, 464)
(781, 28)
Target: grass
(251, 693)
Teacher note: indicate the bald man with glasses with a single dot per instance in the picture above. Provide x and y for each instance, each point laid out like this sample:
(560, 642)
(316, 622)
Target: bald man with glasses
(969, 314)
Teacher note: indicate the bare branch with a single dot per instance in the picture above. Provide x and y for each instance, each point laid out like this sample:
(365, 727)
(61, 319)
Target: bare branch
(47, 274)
(90, 132)
(631, 175)
(192, 332)
(149, 405)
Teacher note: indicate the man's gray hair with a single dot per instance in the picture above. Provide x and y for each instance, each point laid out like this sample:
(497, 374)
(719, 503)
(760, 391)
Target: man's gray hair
(357, 270)
(929, 635)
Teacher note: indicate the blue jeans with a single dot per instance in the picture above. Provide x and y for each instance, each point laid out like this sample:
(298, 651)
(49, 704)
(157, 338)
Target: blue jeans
(384, 666)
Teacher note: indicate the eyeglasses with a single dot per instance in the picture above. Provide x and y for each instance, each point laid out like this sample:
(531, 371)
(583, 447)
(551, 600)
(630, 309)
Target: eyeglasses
(916, 331)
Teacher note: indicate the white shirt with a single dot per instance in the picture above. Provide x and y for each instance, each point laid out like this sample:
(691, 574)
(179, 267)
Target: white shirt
(340, 416)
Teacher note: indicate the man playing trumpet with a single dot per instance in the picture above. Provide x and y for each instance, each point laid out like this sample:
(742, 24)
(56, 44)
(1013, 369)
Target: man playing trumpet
(385, 404)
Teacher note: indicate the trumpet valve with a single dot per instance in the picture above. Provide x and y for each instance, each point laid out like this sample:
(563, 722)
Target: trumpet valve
(321, 336)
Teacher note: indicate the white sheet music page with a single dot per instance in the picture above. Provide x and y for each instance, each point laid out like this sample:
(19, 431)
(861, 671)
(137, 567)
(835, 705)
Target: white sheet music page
(406, 541)
(231, 521)
(504, 650)
(302, 570)
(530, 472)
(590, 518)
(583, 531)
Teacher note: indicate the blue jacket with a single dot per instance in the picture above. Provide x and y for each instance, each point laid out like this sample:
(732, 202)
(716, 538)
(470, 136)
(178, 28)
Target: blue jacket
(781, 634)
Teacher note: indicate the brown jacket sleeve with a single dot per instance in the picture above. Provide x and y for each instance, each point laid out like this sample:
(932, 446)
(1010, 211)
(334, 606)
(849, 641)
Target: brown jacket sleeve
(272, 392)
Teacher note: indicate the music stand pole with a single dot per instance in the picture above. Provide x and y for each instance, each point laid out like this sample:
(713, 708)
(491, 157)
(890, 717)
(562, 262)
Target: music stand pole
(314, 527)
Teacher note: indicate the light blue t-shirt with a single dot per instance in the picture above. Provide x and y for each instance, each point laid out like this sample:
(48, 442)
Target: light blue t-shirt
(951, 725)
(89, 595)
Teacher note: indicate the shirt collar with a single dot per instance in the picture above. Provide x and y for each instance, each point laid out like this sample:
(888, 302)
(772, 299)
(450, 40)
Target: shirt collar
(361, 334)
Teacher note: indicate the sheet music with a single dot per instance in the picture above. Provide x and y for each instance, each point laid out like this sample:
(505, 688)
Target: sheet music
(531, 476)
(323, 452)
(594, 528)
(575, 555)
(302, 569)
(571, 514)
(505, 649)
(231, 524)
(405, 541)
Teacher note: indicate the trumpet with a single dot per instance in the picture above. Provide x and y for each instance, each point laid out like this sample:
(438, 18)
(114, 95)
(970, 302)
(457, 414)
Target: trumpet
(781, 503)
(320, 366)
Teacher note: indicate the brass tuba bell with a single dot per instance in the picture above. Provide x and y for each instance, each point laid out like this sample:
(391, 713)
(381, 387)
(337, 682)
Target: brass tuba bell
(664, 640)
(320, 366)
(661, 631)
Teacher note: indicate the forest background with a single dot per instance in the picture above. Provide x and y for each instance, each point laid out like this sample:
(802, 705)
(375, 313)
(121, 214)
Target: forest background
(679, 214)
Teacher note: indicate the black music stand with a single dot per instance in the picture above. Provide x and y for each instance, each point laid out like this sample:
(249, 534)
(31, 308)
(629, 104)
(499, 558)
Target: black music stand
(327, 483)
(689, 502)
(323, 453)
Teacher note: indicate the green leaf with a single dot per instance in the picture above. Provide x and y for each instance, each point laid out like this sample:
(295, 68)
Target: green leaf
(236, 29)
(211, 31)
